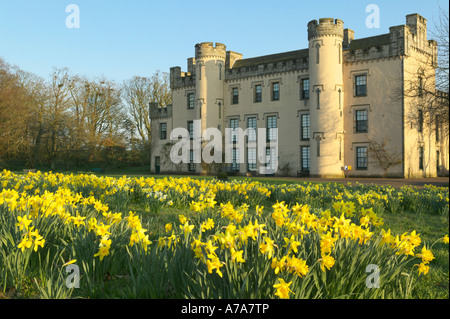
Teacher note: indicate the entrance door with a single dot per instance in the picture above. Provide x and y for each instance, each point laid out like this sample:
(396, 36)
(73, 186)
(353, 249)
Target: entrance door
(157, 164)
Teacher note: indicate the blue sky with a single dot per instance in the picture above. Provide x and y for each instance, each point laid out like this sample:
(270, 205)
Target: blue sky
(119, 39)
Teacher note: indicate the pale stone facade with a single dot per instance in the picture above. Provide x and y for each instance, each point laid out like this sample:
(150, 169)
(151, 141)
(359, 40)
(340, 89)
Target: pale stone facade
(327, 101)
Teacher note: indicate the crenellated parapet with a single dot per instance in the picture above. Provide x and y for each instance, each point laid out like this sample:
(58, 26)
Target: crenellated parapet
(157, 112)
(207, 50)
(325, 27)
(179, 79)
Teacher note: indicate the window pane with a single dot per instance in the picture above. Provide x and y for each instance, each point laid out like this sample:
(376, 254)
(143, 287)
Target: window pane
(163, 131)
(251, 157)
(276, 91)
(234, 124)
(190, 100)
(251, 123)
(271, 158)
(361, 157)
(305, 158)
(421, 158)
(235, 164)
(305, 127)
(258, 96)
(361, 85)
(235, 96)
(271, 125)
(305, 89)
(191, 165)
(361, 121)
(191, 129)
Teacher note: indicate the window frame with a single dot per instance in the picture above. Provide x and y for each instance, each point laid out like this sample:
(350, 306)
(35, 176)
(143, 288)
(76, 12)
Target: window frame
(271, 135)
(251, 166)
(304, 96)
(302, 127)
(358, 157)
(302, 158)
(190, 129)
(250, 135)
(421, 158)
(190, 101)
(257, 96)
(235, 164)
(192, 167)
(234, 136)
(234, 97)
(358, 127)
(161, 131)
(275, 97)
(356, 92)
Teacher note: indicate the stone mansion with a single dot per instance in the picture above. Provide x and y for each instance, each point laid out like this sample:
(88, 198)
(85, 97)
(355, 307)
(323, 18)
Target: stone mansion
(328, 102)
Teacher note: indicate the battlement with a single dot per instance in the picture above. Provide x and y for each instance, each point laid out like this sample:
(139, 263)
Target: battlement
(208, 49)
(179, 79)
(157, 112)
(415, 21)
(325, 27)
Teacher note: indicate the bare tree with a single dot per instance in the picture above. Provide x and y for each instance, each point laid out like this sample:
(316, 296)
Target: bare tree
(138, 93)
(382, 157)
(441, 34)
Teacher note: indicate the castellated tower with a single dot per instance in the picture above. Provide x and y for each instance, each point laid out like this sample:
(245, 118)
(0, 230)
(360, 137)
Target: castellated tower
(209, 80)
(326, 84)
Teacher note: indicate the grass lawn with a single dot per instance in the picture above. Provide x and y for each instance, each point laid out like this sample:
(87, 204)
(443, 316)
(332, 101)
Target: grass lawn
(403, 210)
(429, 225)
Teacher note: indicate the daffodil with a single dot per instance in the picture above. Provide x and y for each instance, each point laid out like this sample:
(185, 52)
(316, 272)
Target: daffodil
(23, 222)
(267, 247)
(445, 239)
(327, 262)
(282, 289)
(426, 255)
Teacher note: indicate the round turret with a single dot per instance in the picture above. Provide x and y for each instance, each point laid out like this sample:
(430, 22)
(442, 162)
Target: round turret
(210, 62)
(325, 27)
(207, 50)
(326, 96)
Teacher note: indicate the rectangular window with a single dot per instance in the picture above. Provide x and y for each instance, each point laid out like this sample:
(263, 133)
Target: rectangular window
(235, 96)
(421, 158)
(251, 159)
(271, 159)
(305, 128)
(361, 120)
(305, 89)
(276, 91)
(305, 156)
(361, 158)
(438, 127)
(162, 131)
(251, 124)
(190, 101)
(360, 85)
(234, 124)
(420, 87)
(420, 120)
(318, 146)
(191, 129)
(438, 162)
(235, 164)
(271, 126)
(191, 165)
(258, 93)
